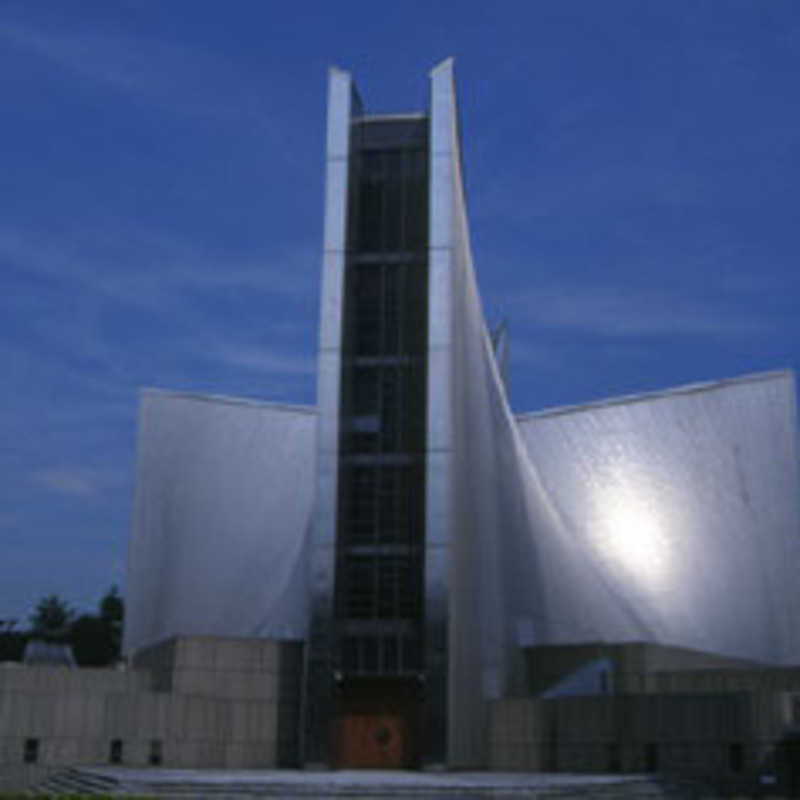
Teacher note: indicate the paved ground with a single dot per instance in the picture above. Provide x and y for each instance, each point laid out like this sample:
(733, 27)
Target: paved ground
(360, 778)
(361, 784)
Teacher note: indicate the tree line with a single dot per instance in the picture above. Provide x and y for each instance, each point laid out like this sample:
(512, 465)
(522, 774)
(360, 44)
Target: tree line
(95, 639)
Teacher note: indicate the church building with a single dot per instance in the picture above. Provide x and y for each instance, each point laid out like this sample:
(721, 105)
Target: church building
(423, 546)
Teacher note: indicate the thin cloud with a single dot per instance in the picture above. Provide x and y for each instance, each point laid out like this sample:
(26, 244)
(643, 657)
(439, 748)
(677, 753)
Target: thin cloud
(265, 361)
(172, 75)
(69, 481)
(153, 271)
(168, 292)
(79, 482)
(624, 312)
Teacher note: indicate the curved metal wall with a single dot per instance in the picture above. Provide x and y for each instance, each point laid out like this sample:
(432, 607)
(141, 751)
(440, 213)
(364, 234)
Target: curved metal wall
(670, 519)
(479, 490)
(221, 514)
(678, 520)
(343, 103)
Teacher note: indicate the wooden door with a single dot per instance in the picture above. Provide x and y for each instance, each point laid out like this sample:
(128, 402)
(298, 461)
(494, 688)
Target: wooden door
(376, 741)
(375, 726)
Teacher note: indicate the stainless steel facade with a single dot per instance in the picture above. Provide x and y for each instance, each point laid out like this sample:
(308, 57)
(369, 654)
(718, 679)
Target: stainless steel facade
(670, 518)
(343, 103)
(677, 515)
(221, 518)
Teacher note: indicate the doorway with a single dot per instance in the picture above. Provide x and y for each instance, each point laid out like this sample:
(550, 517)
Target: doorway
(377, 724)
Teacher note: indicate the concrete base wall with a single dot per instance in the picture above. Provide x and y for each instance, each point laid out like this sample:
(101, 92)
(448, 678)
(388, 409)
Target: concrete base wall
(667, 709)
(689, 734)
(187, 702)
(637, 665)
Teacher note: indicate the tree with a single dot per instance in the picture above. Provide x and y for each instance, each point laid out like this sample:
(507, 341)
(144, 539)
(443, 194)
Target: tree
(112, 607)
(96, 639)
(112, 613)
(12, 643)
(52, 618)
(92, 641)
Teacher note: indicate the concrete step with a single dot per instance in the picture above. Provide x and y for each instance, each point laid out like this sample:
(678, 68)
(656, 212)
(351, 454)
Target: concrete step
(76, 780)
(350, 785)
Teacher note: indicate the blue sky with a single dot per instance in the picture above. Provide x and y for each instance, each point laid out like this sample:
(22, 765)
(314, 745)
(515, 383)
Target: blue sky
(633, 179)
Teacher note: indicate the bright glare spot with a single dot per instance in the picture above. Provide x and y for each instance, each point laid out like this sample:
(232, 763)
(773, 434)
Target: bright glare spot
(634, 538)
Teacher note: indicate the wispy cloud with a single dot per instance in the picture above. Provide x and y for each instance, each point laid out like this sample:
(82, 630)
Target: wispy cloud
(144, 308)
(76, 482)
(151, 270)
(172, 75)
(634, 312)
(259, 360)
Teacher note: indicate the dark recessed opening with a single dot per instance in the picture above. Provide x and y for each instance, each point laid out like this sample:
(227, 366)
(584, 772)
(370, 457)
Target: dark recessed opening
(156, 755)
(30, 754)
(735, 757)
(651, 757)
(614, 760)
(115, 751)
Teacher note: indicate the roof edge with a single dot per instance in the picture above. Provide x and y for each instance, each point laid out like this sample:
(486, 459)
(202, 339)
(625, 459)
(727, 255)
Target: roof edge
(221, 399)
(400, 115)
(445, 64)
(689, 388)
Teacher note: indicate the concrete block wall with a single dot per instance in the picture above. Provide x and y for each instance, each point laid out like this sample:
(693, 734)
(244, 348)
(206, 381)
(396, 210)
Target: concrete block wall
(211, 666)
(689, 734)
(64, 709)
(641, 667)
(156, 664)
(259, 683)
(199, 701)
(725, 680)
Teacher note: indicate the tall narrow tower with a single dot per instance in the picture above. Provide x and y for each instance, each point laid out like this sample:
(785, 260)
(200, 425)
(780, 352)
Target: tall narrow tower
(366, 681)
(397, 288)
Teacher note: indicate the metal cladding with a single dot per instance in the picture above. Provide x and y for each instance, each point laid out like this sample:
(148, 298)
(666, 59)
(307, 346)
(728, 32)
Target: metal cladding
(678, 515)
(669, 518)
(223, 501)
(343, 104)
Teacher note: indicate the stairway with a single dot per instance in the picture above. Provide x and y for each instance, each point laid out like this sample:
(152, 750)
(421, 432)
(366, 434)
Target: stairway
(79, 780)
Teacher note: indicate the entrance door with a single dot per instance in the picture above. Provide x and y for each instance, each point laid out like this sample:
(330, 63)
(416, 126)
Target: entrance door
(375, 741)
(376, 725)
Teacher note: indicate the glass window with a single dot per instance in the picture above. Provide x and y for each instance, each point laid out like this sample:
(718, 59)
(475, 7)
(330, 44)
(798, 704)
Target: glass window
(360, 589)
(365, 390)
(370, 205)
(366, 313)
(410, 653)
(381, 523)
(393, 201)
(370, 654)
(390, 660)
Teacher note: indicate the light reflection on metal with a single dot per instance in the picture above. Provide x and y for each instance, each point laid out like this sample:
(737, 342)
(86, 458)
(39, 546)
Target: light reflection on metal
(676, 518)
(630, 532)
